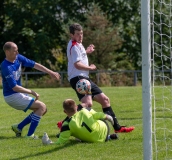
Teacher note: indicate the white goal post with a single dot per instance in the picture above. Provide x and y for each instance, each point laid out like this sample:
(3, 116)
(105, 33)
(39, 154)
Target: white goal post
(146, 79)
(156, 37)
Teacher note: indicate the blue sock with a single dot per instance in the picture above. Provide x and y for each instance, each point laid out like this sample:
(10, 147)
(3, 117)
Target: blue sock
(34, 123)
(26, 121)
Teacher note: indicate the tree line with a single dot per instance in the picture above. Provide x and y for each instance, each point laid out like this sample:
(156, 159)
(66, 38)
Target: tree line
(40, 29)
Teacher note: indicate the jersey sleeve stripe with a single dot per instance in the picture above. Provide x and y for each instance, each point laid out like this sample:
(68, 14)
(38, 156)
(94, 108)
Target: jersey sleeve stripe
(65, 128)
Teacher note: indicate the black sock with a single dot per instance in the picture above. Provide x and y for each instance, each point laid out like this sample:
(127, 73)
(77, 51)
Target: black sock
(79, 107)
(110, 112)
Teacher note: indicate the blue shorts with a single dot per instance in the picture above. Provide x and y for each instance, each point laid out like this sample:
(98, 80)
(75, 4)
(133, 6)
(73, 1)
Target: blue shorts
(19, 101)
(94, 88)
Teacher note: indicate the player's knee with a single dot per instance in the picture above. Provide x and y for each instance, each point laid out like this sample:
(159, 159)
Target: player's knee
(89, 104)
(45, 111)
(106, 100)
(42, 108)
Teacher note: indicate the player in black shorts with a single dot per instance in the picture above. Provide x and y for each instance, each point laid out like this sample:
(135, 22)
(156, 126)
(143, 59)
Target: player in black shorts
(78, 68)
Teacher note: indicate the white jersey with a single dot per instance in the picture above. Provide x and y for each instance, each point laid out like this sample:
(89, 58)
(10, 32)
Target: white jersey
(76, 52)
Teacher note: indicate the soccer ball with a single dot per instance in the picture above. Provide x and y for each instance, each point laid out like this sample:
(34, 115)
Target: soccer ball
(83, 86)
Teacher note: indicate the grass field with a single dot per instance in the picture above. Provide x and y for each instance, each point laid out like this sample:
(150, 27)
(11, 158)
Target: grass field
(126, 102)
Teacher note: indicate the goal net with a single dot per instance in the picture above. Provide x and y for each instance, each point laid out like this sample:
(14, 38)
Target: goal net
(156, 26)
(161, 47)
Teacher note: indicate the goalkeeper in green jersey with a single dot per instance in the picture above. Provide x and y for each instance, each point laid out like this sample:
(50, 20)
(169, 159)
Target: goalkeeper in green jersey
(86, 125)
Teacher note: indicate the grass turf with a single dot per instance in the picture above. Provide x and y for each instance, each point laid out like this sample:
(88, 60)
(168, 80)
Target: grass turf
(126, 103)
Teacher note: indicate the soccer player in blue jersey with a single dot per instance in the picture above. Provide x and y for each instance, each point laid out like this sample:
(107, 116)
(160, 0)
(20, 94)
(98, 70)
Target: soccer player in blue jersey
(79, 67)
(85, 125)
(17, 96)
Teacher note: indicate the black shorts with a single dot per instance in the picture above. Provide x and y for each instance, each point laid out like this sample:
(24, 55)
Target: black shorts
(94, 88)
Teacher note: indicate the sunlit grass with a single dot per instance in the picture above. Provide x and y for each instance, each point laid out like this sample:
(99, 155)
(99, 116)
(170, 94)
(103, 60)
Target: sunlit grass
(125, 101)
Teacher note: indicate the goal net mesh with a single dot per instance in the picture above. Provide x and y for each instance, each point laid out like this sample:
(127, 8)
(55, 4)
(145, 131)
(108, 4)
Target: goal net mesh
(161, 59)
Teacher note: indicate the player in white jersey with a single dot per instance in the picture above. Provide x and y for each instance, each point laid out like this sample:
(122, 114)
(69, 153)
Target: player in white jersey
(78, 68)
(17, 96)
(79, 55)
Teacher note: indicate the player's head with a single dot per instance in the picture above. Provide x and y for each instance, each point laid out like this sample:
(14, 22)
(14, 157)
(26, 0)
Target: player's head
(69, 106)
(76, 32)
(8, 46)
(11, 50)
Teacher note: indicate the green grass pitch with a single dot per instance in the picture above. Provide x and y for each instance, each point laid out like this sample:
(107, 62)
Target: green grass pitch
(125, 101)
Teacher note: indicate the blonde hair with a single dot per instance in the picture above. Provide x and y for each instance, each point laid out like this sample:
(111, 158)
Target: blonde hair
(69, 105)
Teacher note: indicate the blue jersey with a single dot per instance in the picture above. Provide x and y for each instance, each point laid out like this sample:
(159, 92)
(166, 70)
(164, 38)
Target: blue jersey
(11, 73)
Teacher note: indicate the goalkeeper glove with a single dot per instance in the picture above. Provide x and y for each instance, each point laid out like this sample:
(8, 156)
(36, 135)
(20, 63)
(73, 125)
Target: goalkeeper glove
(110, 119)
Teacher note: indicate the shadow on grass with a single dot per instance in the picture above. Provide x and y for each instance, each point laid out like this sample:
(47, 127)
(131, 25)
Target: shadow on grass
(3, 137)
(130, 118)
(70, 143)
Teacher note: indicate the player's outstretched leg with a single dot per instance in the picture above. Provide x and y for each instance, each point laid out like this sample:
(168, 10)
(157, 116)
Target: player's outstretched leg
(17, 131)
(17, 128)
(124, 129)
(33, 125)
(118, 128)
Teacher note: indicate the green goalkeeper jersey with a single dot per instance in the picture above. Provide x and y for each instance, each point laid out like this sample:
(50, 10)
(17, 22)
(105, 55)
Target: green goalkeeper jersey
(84, 125)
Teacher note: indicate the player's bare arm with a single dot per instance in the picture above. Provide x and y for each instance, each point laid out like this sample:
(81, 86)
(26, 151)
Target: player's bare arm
(79, 65)
(21, 89)
(42, 68)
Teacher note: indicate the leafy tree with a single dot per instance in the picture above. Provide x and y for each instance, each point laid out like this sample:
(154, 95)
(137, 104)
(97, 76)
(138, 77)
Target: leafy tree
(2, 17)
(126, 15)
(101, 32)
(34, 27)
(121, 63)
